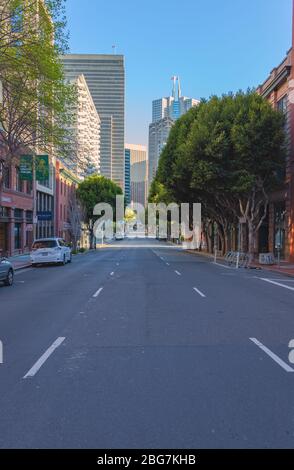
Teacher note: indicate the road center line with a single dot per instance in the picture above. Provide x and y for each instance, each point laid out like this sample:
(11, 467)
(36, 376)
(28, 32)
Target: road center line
(275, 358)
(177, 272)
(37, 366)
(98, 292)
(111, 274)
(276, 283)
(167, 264)
(199, 292)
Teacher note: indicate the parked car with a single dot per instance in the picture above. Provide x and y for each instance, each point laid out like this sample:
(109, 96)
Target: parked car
(50, 250)
(6, 272)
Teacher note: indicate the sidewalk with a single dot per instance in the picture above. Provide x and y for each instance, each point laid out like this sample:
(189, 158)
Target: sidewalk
(284, 268)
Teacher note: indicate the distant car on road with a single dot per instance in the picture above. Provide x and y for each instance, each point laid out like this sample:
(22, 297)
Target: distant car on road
(50, 250)
(119, 236)
(6, 272)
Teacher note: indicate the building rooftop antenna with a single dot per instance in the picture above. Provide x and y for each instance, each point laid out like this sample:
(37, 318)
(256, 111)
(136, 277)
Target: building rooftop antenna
(177, 92)
(174, 79)
(114, 48)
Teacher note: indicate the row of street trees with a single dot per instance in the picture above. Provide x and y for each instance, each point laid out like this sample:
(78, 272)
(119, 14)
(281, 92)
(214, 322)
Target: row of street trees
(228, 153)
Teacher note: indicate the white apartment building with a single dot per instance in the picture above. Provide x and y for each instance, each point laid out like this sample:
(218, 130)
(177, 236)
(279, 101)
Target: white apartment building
(86, 130)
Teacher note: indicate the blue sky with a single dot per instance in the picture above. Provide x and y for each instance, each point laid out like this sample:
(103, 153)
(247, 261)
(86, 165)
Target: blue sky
(215, 46)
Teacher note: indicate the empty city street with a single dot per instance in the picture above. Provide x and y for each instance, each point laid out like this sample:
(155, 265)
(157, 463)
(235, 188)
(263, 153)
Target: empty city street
(143, 345)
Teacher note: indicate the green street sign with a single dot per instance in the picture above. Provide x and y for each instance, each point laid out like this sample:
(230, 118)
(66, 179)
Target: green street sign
(42, 167)
(26, 167)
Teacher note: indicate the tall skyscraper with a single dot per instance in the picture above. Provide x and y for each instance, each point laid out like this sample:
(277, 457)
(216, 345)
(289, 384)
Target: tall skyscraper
(138, 174)
(165, 111)
(105, 77)
(128, 175)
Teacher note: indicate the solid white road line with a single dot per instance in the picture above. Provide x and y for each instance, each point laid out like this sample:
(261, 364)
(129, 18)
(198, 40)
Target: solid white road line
(222, 265)
(98, 292)
(276, 283)
(275, 358)
(199, 292)
(177, 272)
(37, 366)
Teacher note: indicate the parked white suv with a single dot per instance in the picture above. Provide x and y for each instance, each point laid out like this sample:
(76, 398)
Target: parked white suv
(50, 250)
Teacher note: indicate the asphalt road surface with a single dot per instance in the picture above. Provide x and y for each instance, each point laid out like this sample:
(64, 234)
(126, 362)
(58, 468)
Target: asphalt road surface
(141, 345)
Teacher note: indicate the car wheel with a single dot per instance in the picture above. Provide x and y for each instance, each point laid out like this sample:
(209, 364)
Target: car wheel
(9, 279)
(70, 258)
(63, 262)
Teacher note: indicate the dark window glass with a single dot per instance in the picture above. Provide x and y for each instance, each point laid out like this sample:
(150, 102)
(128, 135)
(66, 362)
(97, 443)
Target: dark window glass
(17, 236)
(39, 244)
(282, 104)
(18, 181)
(18, 213)
(279, 228)
(29, 216)
(6, 177)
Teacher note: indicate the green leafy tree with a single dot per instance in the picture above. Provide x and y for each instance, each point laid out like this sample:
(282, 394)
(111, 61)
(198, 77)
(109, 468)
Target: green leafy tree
(93, 190)
(229, 155)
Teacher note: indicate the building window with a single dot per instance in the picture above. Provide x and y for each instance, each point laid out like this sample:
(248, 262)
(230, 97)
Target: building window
(282, 105)
(18, 181)
(18, 214)
(6, 177)
(29, 187)
(279, 228)
(29, 217)
(17, 236)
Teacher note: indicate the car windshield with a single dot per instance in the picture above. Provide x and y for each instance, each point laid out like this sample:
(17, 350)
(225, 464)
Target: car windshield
(44, 244)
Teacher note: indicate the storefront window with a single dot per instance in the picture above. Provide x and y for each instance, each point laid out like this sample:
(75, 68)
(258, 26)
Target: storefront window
(17, 236)
(279, 228)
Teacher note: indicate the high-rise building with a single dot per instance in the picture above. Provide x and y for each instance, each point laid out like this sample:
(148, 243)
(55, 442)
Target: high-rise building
(128, 175)
(86, 131)
(105, 77)
(165, 111)
(158, 135)
(139, 172)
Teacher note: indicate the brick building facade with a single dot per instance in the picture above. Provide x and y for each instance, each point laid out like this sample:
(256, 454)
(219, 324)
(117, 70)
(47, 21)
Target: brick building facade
(16, 213)
(278, 231)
